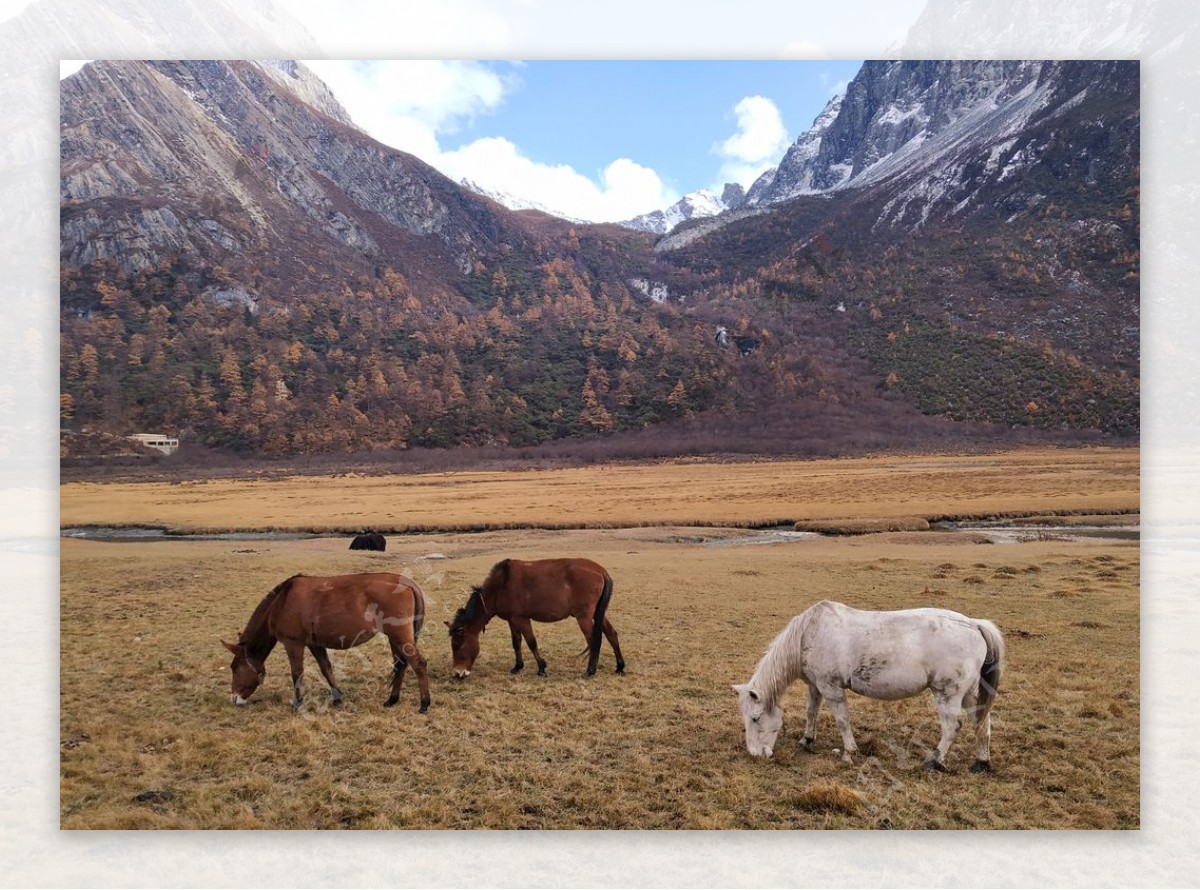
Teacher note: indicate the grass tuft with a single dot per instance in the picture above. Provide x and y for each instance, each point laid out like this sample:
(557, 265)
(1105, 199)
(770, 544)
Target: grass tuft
(830, 797)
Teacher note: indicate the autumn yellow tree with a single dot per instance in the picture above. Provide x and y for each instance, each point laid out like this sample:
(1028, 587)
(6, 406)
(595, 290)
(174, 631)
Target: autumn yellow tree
(594, 414)
(677, 398)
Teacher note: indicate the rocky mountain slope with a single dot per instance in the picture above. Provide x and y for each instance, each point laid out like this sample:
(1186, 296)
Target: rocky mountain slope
(794, 175)
(962, 224)
(951, 252)
(938, 125)
(245, 161)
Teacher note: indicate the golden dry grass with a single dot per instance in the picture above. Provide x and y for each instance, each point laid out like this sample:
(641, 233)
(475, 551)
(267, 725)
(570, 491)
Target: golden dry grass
(830, 797)
(149, 739)
(1093, 480)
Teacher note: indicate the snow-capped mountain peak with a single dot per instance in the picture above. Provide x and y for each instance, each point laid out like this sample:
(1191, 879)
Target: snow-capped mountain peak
(515, 202)
(794, 175)
(693, 205)
(895, 114)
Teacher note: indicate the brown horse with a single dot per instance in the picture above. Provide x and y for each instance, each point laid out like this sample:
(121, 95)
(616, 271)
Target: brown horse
(331, 613)
(541, 590)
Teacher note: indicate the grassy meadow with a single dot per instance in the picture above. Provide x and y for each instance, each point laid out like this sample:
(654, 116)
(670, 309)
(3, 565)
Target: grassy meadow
(149, 739)
(1092, 480)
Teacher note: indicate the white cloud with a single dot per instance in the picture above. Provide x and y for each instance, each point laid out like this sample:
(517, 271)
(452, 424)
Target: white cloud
(759, 143)
(405, 104)
(624, 190)
(412, 105)
(836, 88)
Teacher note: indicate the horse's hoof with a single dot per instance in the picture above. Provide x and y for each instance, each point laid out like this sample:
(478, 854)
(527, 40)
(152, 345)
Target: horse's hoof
(621, 668)
(541, 670)
(806, 745)
(935, 766)
(981, 766)
(517, 669)
(391, 701)
(424, 708)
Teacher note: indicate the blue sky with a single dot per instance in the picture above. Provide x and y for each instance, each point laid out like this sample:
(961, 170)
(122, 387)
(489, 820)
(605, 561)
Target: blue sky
(669, 116)
(595, 140)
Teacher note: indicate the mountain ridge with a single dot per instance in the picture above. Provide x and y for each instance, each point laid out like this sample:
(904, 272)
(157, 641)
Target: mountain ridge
(244, 267)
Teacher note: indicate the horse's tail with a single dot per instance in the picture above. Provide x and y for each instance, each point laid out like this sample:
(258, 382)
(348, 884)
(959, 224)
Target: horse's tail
(598, 621)
(993, 665)
(418, 611)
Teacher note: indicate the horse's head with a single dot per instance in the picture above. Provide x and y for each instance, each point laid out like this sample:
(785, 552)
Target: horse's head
(248, 673)
(464, 641)
(762, 722)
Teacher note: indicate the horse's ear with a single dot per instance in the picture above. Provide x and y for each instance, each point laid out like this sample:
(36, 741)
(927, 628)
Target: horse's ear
(230, 646)
(738, 688)
(447, 623)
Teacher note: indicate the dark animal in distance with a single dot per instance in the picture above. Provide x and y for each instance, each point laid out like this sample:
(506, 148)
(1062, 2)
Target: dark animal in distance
(369, 541)
(747, 345)
(339, 612)
(520, 592)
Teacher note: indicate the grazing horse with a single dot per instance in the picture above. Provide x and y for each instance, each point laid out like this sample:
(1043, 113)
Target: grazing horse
(331, 613)
(541, 590)
(369, 541)
(887, 655)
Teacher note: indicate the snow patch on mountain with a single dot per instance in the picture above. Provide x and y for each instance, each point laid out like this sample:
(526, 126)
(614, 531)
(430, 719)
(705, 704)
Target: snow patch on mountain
(299, 80)
(656, 291)
(694, 205)
(794, 175)
(515, 202)
(905, 119)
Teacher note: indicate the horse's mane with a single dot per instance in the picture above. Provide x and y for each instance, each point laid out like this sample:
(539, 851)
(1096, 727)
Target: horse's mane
(468, 613)
(258, 616)
(780, 664)
(475, 606)
(498, 574)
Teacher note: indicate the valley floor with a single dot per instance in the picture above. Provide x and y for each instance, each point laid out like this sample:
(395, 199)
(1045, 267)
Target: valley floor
(150, 740)
(691, 492)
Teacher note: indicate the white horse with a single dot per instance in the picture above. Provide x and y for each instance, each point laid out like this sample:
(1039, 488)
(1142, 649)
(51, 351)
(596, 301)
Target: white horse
(888, 655)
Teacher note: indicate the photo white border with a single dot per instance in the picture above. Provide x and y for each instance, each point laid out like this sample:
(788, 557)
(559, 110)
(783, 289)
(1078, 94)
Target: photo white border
(33, 852)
